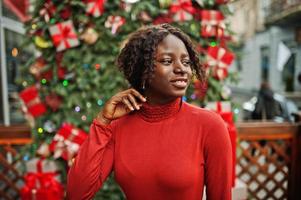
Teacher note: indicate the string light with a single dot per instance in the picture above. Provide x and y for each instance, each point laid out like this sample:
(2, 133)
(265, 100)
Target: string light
(236, 110)
(86, 66)
(184, 98)
(26, 157)
(15, 52)
(77, 109)
(65, 83)
(84, 118)
(34, 26)
(52, 21)
(24, 83)
(97, 66)
(40, 130)
(43, 81)
(193, 96)
(100, 102)
(88, 105)
(213, 43)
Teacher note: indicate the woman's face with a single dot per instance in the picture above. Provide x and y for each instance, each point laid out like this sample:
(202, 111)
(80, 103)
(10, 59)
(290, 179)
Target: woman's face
(172, 71)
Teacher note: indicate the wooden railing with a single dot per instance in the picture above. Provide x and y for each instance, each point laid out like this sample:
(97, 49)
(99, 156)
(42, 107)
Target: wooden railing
(269, 159)
(11, 139)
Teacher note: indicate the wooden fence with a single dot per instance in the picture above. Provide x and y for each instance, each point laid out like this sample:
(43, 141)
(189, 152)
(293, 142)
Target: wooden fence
(268, 160)
(11, 139)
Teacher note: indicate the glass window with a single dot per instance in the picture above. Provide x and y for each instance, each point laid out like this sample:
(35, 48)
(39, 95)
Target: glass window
(265, 63)
(1, 97)
(15, 58)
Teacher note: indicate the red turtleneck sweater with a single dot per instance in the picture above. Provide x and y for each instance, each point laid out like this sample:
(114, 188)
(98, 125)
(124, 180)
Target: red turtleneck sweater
(167, 152)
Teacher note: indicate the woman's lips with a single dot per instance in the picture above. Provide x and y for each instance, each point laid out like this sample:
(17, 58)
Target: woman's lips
(179, 84)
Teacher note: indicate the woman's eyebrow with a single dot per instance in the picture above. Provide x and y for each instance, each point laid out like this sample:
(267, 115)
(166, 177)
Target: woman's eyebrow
(166, 53)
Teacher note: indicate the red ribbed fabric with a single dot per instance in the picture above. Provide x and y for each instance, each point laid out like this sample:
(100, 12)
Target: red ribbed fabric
(154, 113)
(167, 152)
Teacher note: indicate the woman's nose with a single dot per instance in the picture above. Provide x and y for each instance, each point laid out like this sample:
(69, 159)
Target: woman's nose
(179, 67)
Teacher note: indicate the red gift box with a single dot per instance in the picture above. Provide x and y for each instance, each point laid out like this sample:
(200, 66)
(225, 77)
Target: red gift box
(182, 10)
(95, 7)
(224, 110)
(63, 35)
(67, 141)
(219, 59)
(32, 101)
(212, 23)
(41, 185)
(219, 73)
(114, 22)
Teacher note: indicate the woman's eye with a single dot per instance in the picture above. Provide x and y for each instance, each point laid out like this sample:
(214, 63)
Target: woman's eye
(186, 62)
(166, 62)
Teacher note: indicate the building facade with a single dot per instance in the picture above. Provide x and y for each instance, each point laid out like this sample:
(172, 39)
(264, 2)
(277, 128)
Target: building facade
(269, 31)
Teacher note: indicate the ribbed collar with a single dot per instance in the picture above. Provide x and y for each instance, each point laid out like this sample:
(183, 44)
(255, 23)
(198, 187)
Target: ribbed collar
(154, 113)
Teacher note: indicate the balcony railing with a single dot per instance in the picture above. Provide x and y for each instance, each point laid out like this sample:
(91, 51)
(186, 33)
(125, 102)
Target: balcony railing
(278, 11)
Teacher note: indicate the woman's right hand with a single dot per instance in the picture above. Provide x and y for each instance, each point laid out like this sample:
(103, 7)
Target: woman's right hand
(120, 104)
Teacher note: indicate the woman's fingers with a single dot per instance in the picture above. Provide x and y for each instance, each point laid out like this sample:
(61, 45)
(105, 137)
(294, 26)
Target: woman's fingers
(127, 103)
(138, 95)
(133, 101)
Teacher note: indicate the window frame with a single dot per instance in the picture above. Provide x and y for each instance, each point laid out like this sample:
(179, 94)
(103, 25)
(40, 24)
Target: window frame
(18, 27)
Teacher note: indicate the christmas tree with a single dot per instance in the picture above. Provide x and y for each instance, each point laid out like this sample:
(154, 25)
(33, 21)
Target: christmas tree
(73, 72)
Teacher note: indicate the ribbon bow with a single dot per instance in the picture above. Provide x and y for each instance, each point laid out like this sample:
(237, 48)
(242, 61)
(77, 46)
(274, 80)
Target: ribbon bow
(41, 185)
(181, 7)
(95, 7)
(65, 33)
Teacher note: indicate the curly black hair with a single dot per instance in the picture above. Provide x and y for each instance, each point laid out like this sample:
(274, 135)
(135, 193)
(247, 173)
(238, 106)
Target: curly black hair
(136, 59)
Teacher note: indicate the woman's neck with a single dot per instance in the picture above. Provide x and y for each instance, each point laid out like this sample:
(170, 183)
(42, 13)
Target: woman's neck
(153, 100)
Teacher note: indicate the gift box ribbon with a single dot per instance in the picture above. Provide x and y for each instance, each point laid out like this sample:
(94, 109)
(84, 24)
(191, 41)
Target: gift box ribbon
(181, 7)
(95, 6)
(212, 19)
(218, 60)
(41, 185)
(65, 33)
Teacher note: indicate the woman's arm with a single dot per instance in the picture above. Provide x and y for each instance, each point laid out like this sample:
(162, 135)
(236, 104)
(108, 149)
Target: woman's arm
(93, 163)
(95, 159)
(218, 161)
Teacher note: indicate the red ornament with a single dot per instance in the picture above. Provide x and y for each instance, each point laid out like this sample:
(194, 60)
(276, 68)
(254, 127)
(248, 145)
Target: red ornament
(33, 104)
(65, 13)
(63, 35)
(61, 70)
(67, 141)
(212, 23)
(182, 10)
(95, 7)
(53, 101)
